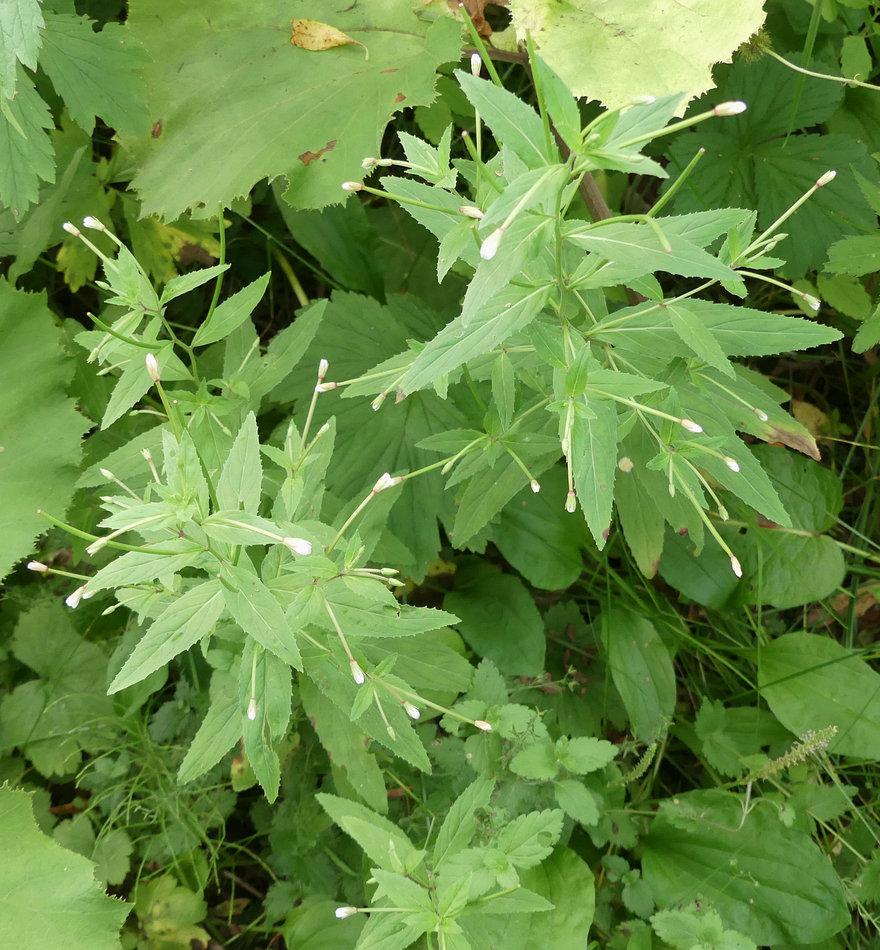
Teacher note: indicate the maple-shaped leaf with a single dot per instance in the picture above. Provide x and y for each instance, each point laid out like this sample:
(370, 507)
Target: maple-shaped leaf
(49, 895)
(238, 102)
(616, 50)
(20, 23)
(25, 151)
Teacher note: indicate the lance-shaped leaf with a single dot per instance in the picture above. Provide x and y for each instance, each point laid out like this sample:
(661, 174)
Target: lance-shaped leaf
(594, 464)
(232, 312)
(219, 731)
(241, 480)
(459, 826)
(383, 842)
(189, 618)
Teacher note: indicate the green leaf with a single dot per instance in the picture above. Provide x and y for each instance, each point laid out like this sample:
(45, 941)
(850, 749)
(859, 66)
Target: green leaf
(500, 621)
(232, 312)
(275, 109)
(641, 669)
(219, 732)
(576, 800)
(694, 333)
(20, 25)
(187, 620)
(537, 761)
(584, 754)
(702, 848)
(855, 256)
(96, 74)
(868, 334)
(41, 881)
(26, 153)
(241, 480)
(811, 682)
(383, 842)
(40, 425)
(184, 283)
(663, 54)
(459, 826)
(530, 838)
(594, 463)
(259, 614)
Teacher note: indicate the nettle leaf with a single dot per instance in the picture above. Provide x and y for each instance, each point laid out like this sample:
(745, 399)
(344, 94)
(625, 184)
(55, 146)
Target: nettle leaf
(96, 74)
(26, 153)
(459, 826)
(584, 754)
(664, 54)
(275, 110)
(20, 25)
(40, 425)
(41, 881)
(702, 847)
(527, 840)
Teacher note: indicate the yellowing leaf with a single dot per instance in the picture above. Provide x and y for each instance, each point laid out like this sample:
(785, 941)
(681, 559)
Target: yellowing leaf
(314, 35)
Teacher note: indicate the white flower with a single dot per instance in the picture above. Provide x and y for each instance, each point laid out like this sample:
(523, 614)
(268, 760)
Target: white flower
(352, 186)
(357, 674)
(325, 387)
(535, 485)
(825, 179)
(469, 211)
(761, 415)
(385, 481)
(323, 366)
(297, 545)
(730, 108)
(343, 912)
(152, 367)
(812, 302)
(93, 223)
(37, 566)
(570, 502)
(489, 247)
(690, 425)
(476, 64)
(732, 464)
(482, 724)
(73, 599)
(736, 566)
(411, 710)
(252, 709)
(71, 228)
(376, 404)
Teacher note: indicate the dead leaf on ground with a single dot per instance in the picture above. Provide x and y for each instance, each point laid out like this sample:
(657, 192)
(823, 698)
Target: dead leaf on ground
(316, 36)
(809, 416)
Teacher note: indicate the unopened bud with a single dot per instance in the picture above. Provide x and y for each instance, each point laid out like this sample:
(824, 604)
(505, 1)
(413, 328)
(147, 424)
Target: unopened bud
(489, 247)
(812, 302)
(535, 485)
(736, 566)
(469, 211)
(730, 108)
(37, 566)
(71, 229)
(93, 223)
(325, 387)
(152, 367)
(732, 464)
(476, 64)
(376, 404)
(825, 179)
(252, 709)
(722, 513)
(761, 415)
(72, 600)
(357, 674)
(323, 366)
(297, 545)
(571, 502)
(352, 186)
(411, 710)
(482, 724)
(343, 912)
(690, 425)
(385, 481)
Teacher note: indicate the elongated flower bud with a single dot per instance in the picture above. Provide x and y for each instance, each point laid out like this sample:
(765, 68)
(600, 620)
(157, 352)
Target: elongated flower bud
(93, 223)
(352, 186)
(476, 64)
(37, 566)
(535, 485)
(152, 367)
(469, 211)
(761, 415)
(571, 502)
(732, 464)
(252, 709)
(357, 674)
(826, 179)
(323, 366)
(411, 710)
(736, 566)
(482, 724)
(690, 425)
(71, 228)
(385, 481)
(343, 912)
(72, 600)
(730, 108)
(297, 545)
(489, 247)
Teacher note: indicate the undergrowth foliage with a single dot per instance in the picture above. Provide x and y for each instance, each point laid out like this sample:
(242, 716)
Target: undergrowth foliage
(373, 617)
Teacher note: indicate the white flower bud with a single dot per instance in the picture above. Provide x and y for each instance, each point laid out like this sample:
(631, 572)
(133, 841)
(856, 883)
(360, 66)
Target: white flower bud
(489, 247)
(476, 64)
(736, 566)
(825, 179)
(252, 709)
(323, 366)
(571, 502)
(690, 425)
(732, 464)
(376, 404)
(297, 545)
(411, 710)
(812, 302)
(385, 481)
(325, 387)
(352, 186)
(469, 211)
(357, 674)
(37, 566)
(72, 600)
(93, 223)
(761, 415)
(71, 228)
(535, 485)
(343, 912)
(722, 513)
(152, 367)
(482, 724)
(730, 108)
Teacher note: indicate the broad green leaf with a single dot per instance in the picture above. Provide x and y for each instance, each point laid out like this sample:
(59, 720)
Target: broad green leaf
(219, 731)
(20, 25)
(187, 620)
(168, 912)
(684, 929)
(702, 848)
(96, 74)
(350, 758)
(500, 621)
(232, 312)
(459, 826)
(868, 334)
(665, 52)
(275, 109)
(311, 925)
(693, 332)
(811, 682)
(641, 669)
(706, 579)
(539, 537)
(26, 153)
(138, 567)
(241, 480)
(40, 425)
(593, 461)
(258, 613)
(530, 838)
(382, 841)
(577, 801)
(728, 735)
(536, 762)
(641, 520)
(846, 295)
(504, 388)
(856, 256)
(513, 122)
(584, 754)
(48, 892)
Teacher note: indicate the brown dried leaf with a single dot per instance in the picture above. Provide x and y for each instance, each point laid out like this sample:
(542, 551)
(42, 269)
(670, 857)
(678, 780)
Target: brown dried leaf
(317, 36)
(809, 416)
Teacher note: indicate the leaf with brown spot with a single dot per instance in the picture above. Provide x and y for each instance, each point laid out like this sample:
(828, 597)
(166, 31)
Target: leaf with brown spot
(316, 36)
(308, 157)
(794, 438)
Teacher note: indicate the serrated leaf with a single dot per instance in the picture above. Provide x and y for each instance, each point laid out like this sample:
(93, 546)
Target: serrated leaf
(184, 283)
(382, 841)
(20, 25)
(529, 839)
(182, 624)
(577, 801)
(232, 312)
(39, 880)
(26, 153)
(594, 464)
(459, 826)
(218, 732)
(96, 74)
(584, 754)
(241, 479)
(537, 761)
(270, 113)
(40, 425)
